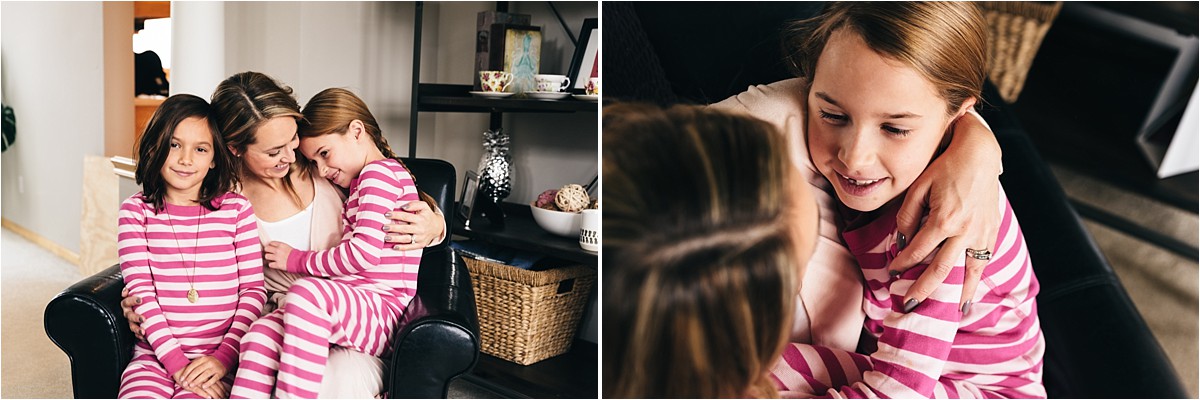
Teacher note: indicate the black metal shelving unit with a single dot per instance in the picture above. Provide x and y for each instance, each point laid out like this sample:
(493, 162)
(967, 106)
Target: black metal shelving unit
(570, 375)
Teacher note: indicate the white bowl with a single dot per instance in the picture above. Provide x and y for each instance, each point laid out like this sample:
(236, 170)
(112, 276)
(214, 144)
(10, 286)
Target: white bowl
(557, 222)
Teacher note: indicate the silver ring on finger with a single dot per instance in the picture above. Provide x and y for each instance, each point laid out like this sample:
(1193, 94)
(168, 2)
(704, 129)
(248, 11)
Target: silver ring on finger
(411, 239)
(984, 254)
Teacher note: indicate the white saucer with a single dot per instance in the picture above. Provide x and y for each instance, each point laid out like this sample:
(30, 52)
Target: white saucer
(493, 95)
(547, 95)
(587, 97)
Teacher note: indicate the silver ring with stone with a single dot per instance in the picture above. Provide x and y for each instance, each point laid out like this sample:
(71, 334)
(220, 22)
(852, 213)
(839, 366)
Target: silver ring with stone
(984, 254)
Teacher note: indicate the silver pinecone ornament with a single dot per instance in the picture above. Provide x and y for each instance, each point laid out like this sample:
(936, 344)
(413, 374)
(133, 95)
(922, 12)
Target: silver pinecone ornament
(495, 167)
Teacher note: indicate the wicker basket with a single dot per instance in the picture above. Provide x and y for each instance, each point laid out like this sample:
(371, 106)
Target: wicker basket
(528, 316)
(1016, 32)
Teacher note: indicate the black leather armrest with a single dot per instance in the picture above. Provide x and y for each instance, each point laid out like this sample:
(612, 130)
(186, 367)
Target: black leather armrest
(1097, 344)
(439, 333)
(85, 321)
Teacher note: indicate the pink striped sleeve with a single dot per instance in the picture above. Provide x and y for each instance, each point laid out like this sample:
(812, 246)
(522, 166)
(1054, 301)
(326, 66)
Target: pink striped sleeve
(914, 346)
(908, 363)
(134, 255)
(251, 293)
(377, 193)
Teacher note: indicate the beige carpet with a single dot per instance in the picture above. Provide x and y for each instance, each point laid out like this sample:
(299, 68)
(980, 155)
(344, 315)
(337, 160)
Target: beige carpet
(33, 367)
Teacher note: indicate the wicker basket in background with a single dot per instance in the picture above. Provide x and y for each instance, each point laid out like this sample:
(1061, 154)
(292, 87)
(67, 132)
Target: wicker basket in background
(528, 316)
(1017, 29)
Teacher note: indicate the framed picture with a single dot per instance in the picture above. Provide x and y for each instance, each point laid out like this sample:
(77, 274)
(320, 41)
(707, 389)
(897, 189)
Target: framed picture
(466, 201)
(520, 53)
(586, 61)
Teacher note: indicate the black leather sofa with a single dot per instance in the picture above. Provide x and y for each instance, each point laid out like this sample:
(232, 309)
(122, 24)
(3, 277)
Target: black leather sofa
(438, 339)
(1097, 344)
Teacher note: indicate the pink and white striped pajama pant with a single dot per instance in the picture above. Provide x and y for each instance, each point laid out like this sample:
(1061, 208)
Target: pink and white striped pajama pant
(287, 349)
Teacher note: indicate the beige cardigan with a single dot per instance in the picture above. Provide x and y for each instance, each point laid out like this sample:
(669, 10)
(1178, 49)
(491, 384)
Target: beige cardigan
(829, 307)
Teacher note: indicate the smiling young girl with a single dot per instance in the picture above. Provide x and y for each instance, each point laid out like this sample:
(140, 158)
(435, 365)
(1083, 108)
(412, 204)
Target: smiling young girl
(353, 294)
(189, 249)
(887, 83)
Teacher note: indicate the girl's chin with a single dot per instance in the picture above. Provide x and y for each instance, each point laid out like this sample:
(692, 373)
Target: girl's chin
(860, 203)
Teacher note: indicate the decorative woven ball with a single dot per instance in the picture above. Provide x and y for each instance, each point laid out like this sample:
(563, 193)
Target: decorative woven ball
(571, 198)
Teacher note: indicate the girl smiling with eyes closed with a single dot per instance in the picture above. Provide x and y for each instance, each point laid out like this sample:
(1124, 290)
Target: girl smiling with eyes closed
(887, 83)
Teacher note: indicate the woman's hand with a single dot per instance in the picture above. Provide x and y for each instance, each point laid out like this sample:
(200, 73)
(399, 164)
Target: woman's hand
(203, 377)
(961, 193)
(135, 320)
(417, 226)
(276, 255)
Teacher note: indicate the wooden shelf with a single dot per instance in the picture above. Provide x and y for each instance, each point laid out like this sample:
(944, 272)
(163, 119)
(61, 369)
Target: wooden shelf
(151, 9)
(521, 232)
(436, 97)
(572, 375)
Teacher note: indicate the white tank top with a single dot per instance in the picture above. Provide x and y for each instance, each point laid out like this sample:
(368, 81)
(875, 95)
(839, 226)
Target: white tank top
(295, 230)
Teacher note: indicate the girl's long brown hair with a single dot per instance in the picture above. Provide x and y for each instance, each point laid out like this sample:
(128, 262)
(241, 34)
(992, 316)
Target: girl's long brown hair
(332, 110)
(155, 144)
(944, 41)
(700, 260)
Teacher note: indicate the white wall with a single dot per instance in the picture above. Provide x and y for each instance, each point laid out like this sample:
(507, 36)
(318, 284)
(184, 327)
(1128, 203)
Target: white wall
(51, 58)
(367, 47)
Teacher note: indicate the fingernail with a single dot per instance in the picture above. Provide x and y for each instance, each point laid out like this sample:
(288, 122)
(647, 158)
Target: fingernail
(388, 238)
(910, 305)
(966, 307)
(388, 214)
(404, 207)
(139, 300)
(901, 240)
(894, 273)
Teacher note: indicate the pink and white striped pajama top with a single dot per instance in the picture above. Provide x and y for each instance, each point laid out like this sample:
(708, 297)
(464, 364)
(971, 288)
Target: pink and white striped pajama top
(353, 294)
(219, 252)
(995, 350)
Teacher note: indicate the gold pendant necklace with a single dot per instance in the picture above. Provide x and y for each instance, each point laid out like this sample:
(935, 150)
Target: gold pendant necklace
(192, 295)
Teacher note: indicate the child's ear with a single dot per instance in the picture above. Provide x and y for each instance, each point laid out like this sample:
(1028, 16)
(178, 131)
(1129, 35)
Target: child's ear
(966, 106)
(357, 128)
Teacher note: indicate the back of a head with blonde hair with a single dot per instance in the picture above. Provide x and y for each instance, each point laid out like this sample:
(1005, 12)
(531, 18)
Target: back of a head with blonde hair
(944, 41)
(244, 102)
(699, 255)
